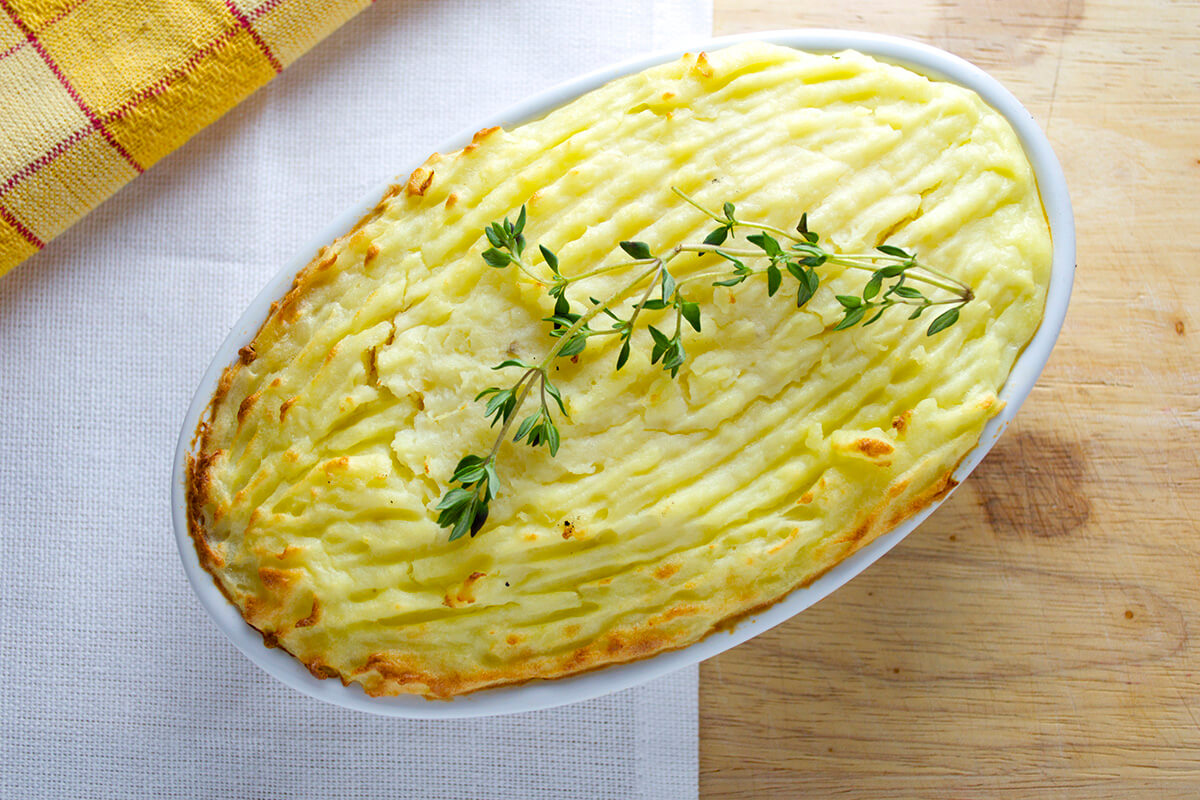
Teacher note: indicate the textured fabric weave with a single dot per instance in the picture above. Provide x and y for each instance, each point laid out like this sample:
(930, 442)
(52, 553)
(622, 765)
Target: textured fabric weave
(92, 92)
(116, 683)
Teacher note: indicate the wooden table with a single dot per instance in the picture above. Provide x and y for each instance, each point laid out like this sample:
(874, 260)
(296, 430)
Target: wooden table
(1033, 639)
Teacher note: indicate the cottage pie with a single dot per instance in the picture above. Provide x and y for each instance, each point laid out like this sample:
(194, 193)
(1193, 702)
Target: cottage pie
(674, 505)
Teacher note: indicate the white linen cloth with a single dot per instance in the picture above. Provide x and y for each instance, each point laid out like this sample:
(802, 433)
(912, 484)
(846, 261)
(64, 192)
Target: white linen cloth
(115, 682)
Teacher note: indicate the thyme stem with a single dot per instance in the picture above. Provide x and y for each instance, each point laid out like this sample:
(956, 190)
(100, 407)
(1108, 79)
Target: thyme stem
(464, 509)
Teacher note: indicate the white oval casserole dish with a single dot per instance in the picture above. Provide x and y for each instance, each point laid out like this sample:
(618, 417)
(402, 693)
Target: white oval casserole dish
(920, 58)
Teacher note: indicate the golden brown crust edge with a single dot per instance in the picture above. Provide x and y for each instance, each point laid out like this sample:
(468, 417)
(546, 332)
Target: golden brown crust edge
(198, 463)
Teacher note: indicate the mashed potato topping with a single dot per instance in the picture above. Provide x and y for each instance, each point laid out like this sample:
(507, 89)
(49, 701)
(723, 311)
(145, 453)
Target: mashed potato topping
(673, 505)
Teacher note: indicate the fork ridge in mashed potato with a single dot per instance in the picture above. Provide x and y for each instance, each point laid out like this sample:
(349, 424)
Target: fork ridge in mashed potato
(674, 506)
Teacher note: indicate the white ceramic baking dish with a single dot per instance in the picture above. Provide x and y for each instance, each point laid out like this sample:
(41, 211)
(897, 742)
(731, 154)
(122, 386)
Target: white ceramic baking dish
(921, 58)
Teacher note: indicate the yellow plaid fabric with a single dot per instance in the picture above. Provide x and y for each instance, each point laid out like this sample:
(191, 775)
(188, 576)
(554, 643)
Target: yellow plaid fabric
(92, 92)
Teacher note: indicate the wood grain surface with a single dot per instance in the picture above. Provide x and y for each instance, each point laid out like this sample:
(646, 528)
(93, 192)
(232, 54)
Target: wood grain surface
(1033, 638)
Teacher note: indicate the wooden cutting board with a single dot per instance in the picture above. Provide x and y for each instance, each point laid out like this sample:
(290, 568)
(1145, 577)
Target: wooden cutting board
(1039, 636)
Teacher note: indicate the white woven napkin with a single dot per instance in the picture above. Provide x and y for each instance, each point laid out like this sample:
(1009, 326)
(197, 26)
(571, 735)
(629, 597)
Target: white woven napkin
(116, 684)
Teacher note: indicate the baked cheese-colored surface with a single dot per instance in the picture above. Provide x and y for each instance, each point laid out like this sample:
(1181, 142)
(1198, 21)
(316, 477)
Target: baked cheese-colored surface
(673, 505)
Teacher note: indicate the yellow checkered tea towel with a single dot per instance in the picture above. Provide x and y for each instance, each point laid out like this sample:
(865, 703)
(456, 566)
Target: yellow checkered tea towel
(92, 92)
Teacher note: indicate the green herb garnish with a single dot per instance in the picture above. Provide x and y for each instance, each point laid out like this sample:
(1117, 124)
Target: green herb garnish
(893, 272)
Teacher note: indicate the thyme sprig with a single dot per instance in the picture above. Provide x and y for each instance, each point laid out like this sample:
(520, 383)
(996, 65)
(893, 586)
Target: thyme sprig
(799, 254)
